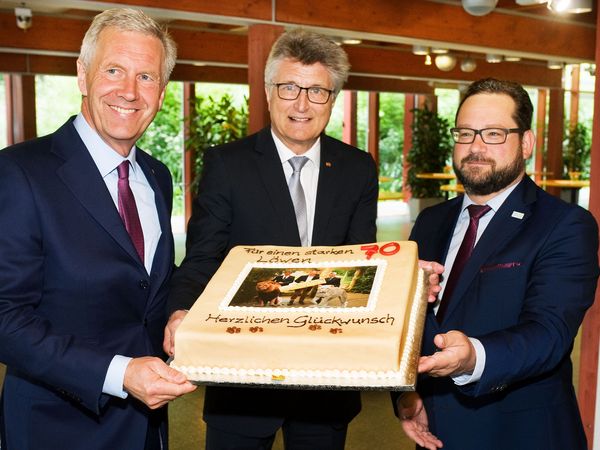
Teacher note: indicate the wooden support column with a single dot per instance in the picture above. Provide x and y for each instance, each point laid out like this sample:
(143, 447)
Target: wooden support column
(20, 103)
(373, 133)
(540, 135)
(190, 154)
(409, 105)
(574, 110)
(556, 112)
(260, 40)
(349, 128)
(590, 333)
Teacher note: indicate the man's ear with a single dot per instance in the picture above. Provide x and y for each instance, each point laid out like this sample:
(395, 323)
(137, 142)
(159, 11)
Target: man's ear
(268, 96)
(528, 144)
(81, 81)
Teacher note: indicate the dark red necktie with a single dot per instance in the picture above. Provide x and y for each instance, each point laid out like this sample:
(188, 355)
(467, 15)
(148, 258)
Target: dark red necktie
(464, 252)
(128, 210)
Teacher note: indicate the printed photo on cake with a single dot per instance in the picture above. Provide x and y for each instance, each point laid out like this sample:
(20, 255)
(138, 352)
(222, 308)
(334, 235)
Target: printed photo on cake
(306, 287)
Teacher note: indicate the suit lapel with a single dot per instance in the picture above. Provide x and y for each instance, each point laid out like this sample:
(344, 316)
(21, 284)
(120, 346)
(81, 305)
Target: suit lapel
(163, 258)
(271, 174)
(330, 173)
(81, 176)
(503, 226)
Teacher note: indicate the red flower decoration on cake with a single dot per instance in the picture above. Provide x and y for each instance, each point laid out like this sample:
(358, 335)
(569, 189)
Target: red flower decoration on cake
(233, 330)
(256, 329)
(314, 327)
(335, 330)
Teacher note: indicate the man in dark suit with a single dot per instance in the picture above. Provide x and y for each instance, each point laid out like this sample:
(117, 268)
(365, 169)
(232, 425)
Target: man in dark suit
(284, 278)
(332, 279)
(498, 375)
(83, 292)
(244, 199)
(310, 291)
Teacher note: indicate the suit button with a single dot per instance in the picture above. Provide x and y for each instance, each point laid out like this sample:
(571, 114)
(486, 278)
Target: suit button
(144, 284)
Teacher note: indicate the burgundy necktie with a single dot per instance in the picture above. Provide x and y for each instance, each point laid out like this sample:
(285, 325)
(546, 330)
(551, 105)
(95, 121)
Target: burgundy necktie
(464, 252)
(128, 210)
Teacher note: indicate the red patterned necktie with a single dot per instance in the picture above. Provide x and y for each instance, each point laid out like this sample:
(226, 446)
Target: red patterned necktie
(464, 252)
(128, 210)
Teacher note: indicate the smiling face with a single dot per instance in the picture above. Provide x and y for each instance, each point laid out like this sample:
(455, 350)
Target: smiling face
(122, 88)
(484, 169)
(298, 123)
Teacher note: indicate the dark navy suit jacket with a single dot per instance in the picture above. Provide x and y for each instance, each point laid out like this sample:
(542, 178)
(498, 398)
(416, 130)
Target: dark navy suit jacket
(73, 293)
(523, 294)
(244, 200)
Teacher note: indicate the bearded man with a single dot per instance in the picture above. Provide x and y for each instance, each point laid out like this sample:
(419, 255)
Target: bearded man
(520, 271)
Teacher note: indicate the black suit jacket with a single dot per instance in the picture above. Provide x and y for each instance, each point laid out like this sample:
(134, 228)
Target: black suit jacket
(523, 293)
(73, 293)
(244, 199)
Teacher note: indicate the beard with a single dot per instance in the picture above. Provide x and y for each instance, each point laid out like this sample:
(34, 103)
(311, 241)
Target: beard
(481, 182)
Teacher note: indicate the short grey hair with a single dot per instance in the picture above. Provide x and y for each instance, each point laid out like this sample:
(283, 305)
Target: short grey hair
(309, 48)
(126, 19)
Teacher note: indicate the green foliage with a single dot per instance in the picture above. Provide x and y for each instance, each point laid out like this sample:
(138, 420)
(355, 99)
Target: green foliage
(391, 139)
(391, 132)
(56, 99)
(576, 149)
(164, 140)
(215, 122)
(364, 283)
(431, 148)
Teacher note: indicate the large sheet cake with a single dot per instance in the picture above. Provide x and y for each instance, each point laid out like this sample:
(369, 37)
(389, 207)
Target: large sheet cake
(314, 317)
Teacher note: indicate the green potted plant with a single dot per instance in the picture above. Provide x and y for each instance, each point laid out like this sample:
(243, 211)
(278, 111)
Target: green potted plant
(430, 150)
(215, 122)
(576, 151)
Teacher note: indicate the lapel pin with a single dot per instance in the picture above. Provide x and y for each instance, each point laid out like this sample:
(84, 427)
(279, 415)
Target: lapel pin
(517, 215)
(327, 164)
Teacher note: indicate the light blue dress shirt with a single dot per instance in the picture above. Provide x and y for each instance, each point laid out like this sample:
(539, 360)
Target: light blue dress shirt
(107, 160)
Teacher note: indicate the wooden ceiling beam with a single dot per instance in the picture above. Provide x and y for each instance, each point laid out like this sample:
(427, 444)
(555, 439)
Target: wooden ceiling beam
(393, 62)
(446, 23)
(358, 83)
(231, 49)
(260, 10)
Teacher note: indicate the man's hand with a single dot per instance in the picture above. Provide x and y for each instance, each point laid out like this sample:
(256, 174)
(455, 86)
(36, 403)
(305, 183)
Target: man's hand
(456, 356)
(153, 382)
(434, 270)
(415, 424)
(172, 324)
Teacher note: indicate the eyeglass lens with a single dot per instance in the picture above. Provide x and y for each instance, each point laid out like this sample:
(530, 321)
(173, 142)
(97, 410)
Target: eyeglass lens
(290, 91)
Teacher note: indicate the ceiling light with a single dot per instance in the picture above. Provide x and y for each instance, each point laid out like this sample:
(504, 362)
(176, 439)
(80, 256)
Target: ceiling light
(570, 6)
(555, 65)
(351, 41)
(512, 58)
(428, 59)
(479, 7)
(493, 58)
(445, 62)
(468, 65)
(420, 50)
(439, 51)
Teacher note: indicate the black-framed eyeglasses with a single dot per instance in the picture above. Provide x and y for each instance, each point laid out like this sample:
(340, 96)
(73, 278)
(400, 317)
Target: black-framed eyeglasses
(291, 91)
(491, 136)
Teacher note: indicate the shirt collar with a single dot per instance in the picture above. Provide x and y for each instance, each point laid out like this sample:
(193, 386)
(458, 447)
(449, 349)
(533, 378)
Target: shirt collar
(313, 153)
(495, 202)
(105, 157)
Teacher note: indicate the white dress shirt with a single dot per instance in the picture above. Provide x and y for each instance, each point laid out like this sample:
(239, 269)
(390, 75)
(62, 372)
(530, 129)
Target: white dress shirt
(107, 160)
(309, 177)
(457, 237)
